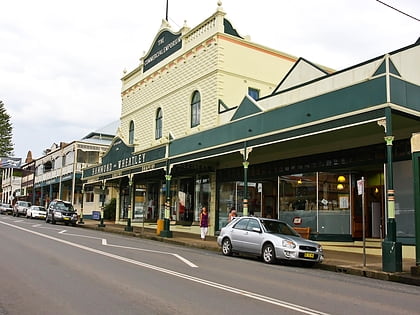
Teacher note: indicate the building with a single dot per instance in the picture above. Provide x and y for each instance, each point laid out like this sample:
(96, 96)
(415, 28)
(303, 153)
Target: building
(189, 82)
(58, 173)
(317, 148)
(11, 177)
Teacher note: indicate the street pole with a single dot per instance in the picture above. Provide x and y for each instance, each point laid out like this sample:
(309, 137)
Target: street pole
(82, 191)
(415, 149)
(245, 151)
(129, 228)
(102, 224)
(391, 249)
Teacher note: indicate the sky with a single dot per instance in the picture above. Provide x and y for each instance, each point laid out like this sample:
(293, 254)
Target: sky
(61, 62)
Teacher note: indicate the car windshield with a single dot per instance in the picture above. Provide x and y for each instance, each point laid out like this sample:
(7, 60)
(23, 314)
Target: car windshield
(39, 208)
(26, 204)
(64, 206)
(278, 227)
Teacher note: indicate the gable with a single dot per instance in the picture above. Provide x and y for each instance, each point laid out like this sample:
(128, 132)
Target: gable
(246, 108)
(302, 72)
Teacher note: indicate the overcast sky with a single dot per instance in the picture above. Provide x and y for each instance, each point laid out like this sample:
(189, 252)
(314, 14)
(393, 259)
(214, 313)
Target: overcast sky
(61, 61)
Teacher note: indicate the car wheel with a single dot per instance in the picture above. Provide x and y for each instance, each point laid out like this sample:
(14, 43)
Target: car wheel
(268, 255)
(227, 247)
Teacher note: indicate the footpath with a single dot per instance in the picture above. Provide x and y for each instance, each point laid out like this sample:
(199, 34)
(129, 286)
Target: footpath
(338, 258)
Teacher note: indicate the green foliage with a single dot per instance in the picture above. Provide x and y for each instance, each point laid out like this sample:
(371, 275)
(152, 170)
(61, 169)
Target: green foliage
(6, 144)
(109, 210)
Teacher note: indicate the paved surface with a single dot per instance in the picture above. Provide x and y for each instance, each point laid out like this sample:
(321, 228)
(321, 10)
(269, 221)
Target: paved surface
(339, 259)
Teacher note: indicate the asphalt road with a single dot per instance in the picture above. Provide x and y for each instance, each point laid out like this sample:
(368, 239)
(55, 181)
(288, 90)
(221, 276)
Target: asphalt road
(56, 269)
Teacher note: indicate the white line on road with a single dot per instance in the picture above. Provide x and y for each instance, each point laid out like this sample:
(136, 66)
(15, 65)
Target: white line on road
(219, 286)
(105, 243)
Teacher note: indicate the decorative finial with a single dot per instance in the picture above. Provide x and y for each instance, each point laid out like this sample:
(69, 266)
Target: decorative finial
(219, 6)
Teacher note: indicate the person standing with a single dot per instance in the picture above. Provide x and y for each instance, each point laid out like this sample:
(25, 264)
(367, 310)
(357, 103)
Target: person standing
(204, 222)
(232, 214)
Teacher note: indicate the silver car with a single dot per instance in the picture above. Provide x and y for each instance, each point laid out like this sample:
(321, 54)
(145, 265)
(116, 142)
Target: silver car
(270, 239)
(36, 212)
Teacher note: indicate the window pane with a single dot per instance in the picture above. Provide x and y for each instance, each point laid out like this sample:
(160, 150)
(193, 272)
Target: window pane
(195, 109)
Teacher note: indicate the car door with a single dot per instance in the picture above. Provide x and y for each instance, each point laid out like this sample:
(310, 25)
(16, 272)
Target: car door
(238, 233)
(252, 239)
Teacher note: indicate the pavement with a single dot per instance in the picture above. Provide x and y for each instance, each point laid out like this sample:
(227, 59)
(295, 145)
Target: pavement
(345, 259)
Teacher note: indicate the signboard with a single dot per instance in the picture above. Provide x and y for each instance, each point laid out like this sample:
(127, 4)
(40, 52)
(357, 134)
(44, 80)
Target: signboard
(297, 220)
(360, 186)
(10, 162)
(120, 156)
(165, 45)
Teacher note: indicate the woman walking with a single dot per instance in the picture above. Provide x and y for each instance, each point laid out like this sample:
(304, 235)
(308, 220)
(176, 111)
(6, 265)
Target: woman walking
(204, 222)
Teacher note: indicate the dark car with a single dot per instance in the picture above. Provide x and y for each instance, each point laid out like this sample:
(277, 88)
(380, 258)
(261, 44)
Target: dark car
(61, 211)
(20, 208)
(269, 239)
(6, 208)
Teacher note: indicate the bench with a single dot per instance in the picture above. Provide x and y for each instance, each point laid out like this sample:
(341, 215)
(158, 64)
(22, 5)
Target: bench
(305, 232)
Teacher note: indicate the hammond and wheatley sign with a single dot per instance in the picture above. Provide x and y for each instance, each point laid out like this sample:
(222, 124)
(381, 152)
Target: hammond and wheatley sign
(165, 45)
(120, 156)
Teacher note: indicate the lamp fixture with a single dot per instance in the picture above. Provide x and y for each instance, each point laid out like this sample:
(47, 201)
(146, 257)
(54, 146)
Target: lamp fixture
(341, 179)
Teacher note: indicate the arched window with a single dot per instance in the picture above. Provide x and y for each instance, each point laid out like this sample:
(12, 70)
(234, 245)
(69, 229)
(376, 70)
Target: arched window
(131, 133)
(158, 131)
(195, 109)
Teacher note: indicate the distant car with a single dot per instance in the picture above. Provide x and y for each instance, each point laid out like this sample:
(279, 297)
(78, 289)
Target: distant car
(61, 211)
(20, 208)
(36, 212)
(268, 238)
(6, 208)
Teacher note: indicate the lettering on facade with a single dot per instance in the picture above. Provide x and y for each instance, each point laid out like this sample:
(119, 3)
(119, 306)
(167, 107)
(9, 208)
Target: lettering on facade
(164, 46)
(120, 164)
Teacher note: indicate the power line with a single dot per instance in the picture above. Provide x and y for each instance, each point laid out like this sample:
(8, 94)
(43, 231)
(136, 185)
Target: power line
(399, 11)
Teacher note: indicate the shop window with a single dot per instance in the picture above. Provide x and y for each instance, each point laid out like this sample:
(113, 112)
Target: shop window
(158, 133)
(254, 93)
(202, 195)
(195, 109)
(131, 133)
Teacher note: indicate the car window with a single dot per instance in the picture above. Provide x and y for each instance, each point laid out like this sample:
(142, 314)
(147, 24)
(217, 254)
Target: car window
(242, 224)
(278, 227)
(253, 224)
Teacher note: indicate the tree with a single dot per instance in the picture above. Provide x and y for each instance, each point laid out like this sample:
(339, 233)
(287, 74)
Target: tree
(6, 145)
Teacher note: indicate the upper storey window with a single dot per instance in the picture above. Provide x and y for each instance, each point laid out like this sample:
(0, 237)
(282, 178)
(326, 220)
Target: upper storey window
(254, 93)
(131, 133)
(195, 109)
(158, 132)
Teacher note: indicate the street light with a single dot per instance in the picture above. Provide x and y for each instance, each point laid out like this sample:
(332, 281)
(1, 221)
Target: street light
(82, 191)
(101, 224)
(129, 228)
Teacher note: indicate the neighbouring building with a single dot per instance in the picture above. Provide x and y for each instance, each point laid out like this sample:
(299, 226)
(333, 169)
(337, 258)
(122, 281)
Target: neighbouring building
(57, 174)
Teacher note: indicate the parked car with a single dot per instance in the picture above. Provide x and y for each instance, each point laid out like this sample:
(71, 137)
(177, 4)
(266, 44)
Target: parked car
(61, 211)
(36, 212)
(268, 238)
(6, 208)
(20, 208)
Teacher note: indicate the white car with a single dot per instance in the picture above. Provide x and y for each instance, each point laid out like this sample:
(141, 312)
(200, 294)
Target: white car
(36, 212)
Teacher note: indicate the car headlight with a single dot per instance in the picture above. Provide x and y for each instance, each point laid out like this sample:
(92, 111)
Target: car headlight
(58, 214)
(288, 244)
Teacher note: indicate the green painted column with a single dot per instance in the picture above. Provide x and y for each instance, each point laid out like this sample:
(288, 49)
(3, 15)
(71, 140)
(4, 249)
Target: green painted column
(391, 249)
(415, 149)
(166, 221)
(129, 227)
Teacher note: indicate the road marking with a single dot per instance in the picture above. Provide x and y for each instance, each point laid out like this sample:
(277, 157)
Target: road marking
(105, 243)
(219, 286)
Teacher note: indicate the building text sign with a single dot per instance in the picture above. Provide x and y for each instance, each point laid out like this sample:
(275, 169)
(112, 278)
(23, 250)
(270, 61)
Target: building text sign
(165, 45)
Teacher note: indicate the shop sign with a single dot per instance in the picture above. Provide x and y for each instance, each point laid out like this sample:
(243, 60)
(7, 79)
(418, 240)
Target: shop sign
(120, 157)
(165, 45)
(297, 220)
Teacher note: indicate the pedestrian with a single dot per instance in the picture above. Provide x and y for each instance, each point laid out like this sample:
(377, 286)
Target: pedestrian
(232, 214)
(204, 222)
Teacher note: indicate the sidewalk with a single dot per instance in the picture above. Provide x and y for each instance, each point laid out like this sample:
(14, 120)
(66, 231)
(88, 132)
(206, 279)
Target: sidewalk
(339, 259)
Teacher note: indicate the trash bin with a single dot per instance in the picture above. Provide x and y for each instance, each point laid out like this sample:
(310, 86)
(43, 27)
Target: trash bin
(160, 226)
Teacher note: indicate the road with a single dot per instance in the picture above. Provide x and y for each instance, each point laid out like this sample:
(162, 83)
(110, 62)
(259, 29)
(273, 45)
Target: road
(56, 269)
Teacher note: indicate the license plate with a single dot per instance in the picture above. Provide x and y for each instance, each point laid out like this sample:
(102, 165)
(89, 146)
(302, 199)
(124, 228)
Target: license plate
(309, 255)
(66, 218)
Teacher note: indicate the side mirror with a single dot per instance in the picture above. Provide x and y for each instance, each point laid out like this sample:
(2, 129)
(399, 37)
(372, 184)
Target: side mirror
(255, 229)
